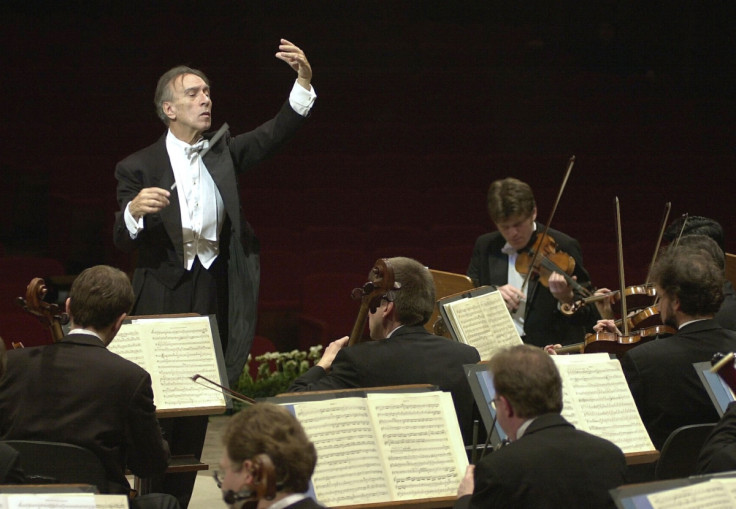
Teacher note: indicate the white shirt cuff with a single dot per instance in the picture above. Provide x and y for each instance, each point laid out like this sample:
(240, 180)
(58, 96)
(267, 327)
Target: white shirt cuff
(301, 99)
(134, 227)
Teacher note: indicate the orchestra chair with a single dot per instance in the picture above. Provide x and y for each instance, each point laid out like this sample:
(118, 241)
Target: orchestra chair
(731, 268)
(59, 463)
(680, 451)
(446, 284)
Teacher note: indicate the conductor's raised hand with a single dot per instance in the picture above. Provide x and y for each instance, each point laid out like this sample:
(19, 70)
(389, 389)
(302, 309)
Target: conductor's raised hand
(295, 57)
(149, 201)
(331, 351)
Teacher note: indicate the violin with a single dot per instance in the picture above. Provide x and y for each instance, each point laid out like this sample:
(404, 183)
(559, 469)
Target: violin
(615, 343)
(618, 342)
(381, 281)
(48, 314)
(544, 257)
(638, 295)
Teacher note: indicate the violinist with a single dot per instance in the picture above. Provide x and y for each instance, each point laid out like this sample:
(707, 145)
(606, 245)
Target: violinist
(534, 306)
(268, 460)
(694, 231)
(548, 463)
(665, 387)
(401, 351)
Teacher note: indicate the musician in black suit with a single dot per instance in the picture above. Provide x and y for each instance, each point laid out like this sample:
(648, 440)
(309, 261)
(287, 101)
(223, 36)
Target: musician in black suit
(718, 453)
(535, 309)
(692, 229)
(181, 213)
(401, 351)
(76, 391)
(268, 459)
(10, 470)
(663, 382)
(548, 463)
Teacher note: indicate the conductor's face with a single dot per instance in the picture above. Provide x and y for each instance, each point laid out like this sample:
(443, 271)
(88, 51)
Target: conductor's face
(517, 230)
(190, 110)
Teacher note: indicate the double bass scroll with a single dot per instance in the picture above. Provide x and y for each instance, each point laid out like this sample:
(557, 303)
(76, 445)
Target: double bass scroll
(50, 315)
(380, 282)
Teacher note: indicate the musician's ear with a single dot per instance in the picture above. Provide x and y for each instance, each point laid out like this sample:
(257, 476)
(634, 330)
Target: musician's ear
(168, 108)
(66, 305)
(504, 405)
(534, 213)
(248, 471)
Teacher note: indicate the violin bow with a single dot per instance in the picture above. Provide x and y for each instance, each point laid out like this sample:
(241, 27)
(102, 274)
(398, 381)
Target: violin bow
(570, 164)
(225, 391)
(667, 207)
(682, 229)
(621, 279)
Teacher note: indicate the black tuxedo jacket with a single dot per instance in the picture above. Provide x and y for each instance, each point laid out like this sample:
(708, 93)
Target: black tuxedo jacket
(160, 261)
(552, 465)
(410, 356)
(665, 386)
(718, 454)
(78, 392)
(544, 324)
(726, 316)
(10, 470)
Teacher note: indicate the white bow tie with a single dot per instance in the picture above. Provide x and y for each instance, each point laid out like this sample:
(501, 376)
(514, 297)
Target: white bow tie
(196, 148)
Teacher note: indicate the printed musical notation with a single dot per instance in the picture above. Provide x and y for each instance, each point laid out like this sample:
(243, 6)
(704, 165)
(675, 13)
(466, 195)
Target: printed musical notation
(484, 322)
(172, 351)
(384, 447)
(586, 379)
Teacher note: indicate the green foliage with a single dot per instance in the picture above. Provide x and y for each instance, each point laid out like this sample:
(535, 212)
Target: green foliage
(276, 372)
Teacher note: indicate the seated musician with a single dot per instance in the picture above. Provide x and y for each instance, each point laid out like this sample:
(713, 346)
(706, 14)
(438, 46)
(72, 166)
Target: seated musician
(665, 387)
(698, 226)
(548, 463)
(268, 460)
(76, 391)
(402, 351)
(10, 468)
(535, 308)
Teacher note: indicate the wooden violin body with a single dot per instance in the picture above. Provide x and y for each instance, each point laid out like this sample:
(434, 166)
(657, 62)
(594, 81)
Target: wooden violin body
(545, 258)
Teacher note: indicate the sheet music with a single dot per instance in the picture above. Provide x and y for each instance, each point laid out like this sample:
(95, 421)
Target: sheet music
(483, 321)
(422, 459)
(62, 501)
(596, 398)
(172, 350)
(714, 494)
(349, 466)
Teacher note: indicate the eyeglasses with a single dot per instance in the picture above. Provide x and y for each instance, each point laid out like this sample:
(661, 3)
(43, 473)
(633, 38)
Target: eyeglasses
(219, 477)
(375, 303)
